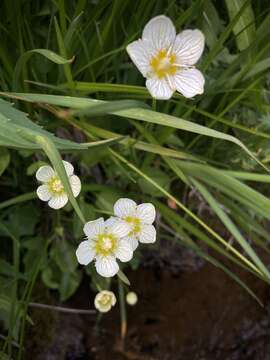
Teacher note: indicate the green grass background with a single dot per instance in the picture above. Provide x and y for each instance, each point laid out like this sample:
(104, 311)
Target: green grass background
(69, 90)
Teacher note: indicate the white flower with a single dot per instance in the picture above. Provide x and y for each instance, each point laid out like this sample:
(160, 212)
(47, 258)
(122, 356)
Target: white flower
(139, 218)
(52, 189)
(132, 298)
(104, 301)
(167, 60)
(105, 242)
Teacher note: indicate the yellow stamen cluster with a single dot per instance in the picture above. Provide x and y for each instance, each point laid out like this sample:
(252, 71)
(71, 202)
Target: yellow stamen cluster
(55, 186)
(105, 300)
(136, 224)
(106, 244)
(163, 64)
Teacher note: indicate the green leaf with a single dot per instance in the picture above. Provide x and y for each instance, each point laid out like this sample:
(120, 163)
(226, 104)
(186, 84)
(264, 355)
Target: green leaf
(4, 160)
(69, 284)
(50, 55)
(140, 114)
(123, 277)
(64, 256)
(244, 29)
(231, 227)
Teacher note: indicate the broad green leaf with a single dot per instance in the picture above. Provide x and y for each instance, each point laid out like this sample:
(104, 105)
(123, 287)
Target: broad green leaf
(141, 114)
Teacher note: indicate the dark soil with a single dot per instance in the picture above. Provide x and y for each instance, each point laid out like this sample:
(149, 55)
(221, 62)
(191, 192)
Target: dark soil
(189, 312)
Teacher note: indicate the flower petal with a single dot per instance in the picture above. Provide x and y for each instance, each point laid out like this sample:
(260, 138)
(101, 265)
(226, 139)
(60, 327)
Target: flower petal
(124, 207)
(189, 82)
(111, 221)
(119, 229)
(45, 173)
(57, 202)
(160, 32)
(148, 234)
(147, 213)
(106, 266)
(124, 250)
(75, 184)
(68, 167)
(133, 241)
(188, 46)
(159, 88)
(43, 193)
(141, 53)
(85, 252)
(93, 228)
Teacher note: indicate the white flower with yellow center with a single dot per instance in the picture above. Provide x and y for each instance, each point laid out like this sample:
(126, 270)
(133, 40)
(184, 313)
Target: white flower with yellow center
(104, 301)
(167, 60)
(105, 242)
(52, 189)
(139, 218)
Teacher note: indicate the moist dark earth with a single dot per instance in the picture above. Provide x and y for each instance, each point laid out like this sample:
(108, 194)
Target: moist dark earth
(187, 310)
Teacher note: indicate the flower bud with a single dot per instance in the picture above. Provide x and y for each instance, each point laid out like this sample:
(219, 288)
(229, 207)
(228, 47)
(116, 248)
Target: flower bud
(132, 298)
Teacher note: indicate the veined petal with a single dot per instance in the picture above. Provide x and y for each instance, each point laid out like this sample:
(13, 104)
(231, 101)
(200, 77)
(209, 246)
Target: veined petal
(57, 202)
(124, 207)
(159, 88)
(45, 173)
(147, 213)
(133, 241)
(119, 229)
(43, 193)
(93, 228)
(160, 32)
(111, 221)
(124, 250)
(148, 234)
(188, 46)
(85, 252)
(140, 53)
(189, 82)
(68, 167)
(75, 184)
(106, 266)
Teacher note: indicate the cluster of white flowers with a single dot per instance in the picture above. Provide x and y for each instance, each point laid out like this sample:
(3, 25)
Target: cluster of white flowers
(117, 237)
(167, 60)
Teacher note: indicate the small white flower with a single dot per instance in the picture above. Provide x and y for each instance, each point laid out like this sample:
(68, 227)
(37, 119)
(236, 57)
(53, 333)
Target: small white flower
(105, 242)
(139, 218)
(52, 189)
(132, 298)
(104, 301)
(167, 60)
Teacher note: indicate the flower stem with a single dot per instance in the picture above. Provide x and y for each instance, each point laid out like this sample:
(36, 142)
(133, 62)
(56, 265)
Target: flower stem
(123, 312)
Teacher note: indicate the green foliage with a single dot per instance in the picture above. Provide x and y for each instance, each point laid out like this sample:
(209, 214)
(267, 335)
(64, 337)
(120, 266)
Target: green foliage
(77, 96)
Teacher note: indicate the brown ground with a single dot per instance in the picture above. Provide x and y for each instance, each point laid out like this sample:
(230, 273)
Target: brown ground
(188, 313)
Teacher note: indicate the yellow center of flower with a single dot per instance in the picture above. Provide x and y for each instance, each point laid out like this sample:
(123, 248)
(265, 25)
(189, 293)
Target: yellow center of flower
(105, 300)
(136, 224)
(105, 244)
(163, 64)
(55, 186)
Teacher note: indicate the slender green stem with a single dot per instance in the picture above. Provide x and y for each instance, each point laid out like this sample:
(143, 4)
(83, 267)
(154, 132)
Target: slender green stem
(123, 313)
